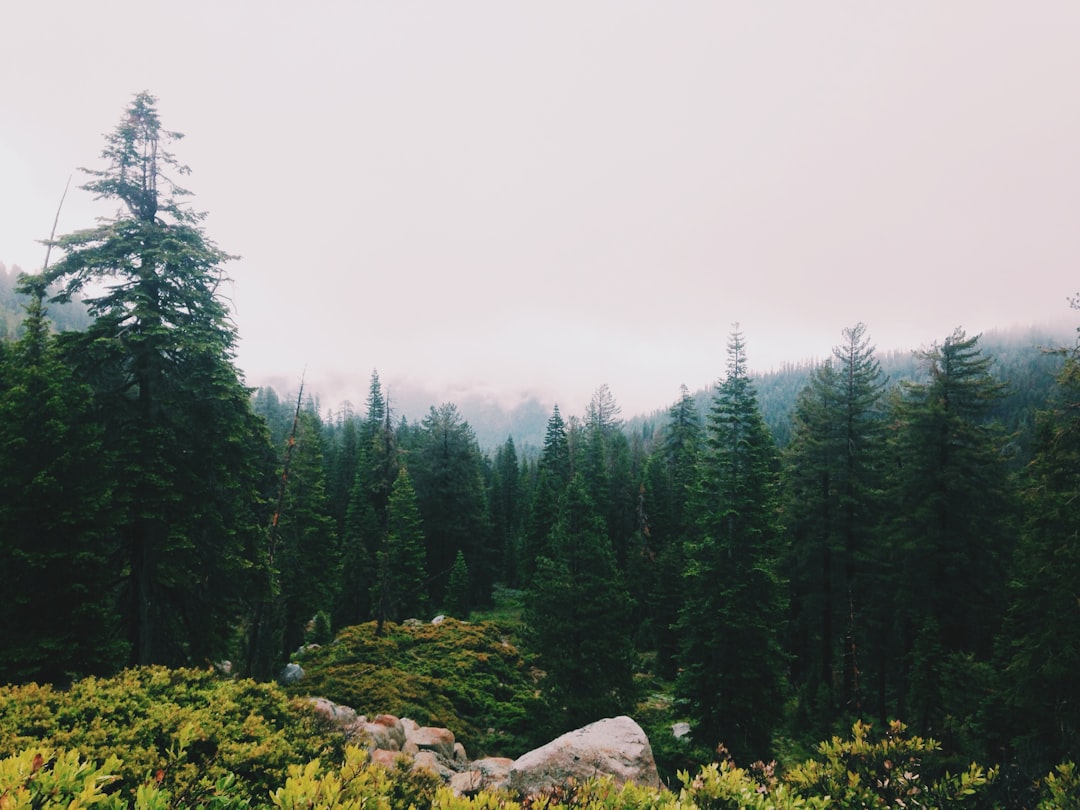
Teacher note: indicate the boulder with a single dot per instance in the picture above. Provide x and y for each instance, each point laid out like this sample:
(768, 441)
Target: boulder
(431, 738)
(341, 716)
(491, 773)
(680, 731)
(430, 761)
(615, 747)
(394, 728)
(290, 674)
(376, 735)
(387, 759)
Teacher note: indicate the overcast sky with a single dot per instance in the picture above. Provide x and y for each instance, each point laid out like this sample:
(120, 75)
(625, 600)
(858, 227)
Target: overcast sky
(541, 197)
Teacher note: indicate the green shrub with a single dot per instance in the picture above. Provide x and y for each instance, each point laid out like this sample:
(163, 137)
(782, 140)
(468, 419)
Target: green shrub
(1061, 788)
(39, 778)
(180, 730)
(467, 677)
(893, 771)
(355, 784)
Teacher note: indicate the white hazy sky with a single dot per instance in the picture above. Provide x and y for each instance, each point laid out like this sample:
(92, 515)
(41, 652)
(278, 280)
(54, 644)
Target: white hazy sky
(546, 196)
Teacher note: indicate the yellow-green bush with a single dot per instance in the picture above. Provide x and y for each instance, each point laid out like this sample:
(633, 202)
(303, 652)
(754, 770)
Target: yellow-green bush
(895, 770)
(170, 739)
(182, 730)
(40, 777)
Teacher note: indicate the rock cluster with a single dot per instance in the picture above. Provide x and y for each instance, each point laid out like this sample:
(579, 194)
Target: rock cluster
(615, 747)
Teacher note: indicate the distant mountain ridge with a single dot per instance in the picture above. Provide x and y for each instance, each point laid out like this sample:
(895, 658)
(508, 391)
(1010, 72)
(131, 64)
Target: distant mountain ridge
(1020, 359)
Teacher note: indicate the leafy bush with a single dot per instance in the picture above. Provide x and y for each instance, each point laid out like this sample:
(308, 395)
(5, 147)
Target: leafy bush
(466, 677)
(42, 778)
(181, 730)
(893, 771)
(1061, 788)
(39, 778)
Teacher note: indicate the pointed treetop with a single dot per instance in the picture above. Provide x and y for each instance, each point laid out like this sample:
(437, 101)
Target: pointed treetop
(736, 367)
(137, 165)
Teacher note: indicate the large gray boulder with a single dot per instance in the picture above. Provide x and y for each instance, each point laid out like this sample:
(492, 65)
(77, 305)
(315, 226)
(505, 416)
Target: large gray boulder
(615, 747)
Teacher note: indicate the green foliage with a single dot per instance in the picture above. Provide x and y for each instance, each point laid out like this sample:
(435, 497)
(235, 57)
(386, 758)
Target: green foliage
(184, 457)
(722, 786)
(400, 589)
(893, 771)
(56, 550)
(950, 533)
(183, 730)
(730, 684)
(447, 472)
(1040, 646)
(1061, 788)
(456, 600)
(318, 630)
(42, 778)
(354, 785)
(306, 558)
(578, 619)
(833, 475)
(466, 677)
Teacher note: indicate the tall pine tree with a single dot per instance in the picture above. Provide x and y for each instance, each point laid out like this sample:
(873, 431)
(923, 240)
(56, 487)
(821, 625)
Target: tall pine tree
(953, 526)
(732, 664)
(188, 461)
(400, 589)
(834, 464)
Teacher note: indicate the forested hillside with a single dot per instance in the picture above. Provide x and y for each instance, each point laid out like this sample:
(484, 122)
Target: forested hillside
(866, 538)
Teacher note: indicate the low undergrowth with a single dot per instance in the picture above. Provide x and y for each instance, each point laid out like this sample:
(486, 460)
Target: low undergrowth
(179, 730)
(467, 677)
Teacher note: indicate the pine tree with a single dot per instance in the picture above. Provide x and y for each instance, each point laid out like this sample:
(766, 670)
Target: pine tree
(665, 526)
(365, 525)
(578, 618)
(400, 589)
(606, 465)
(552, 477)
(952, 533)
(506, 507)
(188, 460)
(456, 601)
(834, 465)
(447, 471)
(731, 678)
(57, 560)
(1039, 650)
(307, 561)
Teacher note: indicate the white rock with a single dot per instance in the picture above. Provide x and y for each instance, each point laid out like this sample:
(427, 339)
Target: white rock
(615, 747)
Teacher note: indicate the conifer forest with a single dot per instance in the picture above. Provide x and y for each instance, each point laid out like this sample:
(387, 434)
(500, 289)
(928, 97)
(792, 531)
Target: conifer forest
(862, 539)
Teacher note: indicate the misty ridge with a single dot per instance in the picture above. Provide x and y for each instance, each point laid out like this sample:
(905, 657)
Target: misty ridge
(1023, 359)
